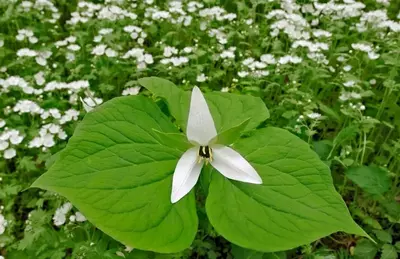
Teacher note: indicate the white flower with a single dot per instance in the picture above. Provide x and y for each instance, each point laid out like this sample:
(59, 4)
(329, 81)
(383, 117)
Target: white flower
(349, 83)
(111, 53)
(372, 55)
(201, 78)
(243, 73)
(131, 91)
(3, 145)
(79, 217)
(59, 217)
(372, 82)
(268, 58)
(74, 47)
(169, 51)
(201, 132)
(9, 153)
(99, 50)
(39, 78)
(314, 115)
(25, 52)
(3, 224)
(2, 123)
(89, 103)
(347, 68)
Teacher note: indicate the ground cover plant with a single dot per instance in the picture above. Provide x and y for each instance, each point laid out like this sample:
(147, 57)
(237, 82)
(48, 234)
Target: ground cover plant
(328, 72)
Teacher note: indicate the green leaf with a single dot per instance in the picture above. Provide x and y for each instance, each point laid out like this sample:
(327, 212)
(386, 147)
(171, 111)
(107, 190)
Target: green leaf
(228, 110)
(389, 252)
(328, 111)
(231, 135)
(383, 236)
(371, 179)
(275, 255)
(365, 249)
(243, 253)
(296, 204)
(177, 140)
(345, 134)
(323, 148)
(119, 175)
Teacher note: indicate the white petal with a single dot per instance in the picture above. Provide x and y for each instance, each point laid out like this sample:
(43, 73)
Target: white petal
(233, 166)
(86, 106)
(200, 127)
(186, 174)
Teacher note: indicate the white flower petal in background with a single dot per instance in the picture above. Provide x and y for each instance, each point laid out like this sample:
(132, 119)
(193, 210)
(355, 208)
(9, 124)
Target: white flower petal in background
(9, 153)
(3, 145)
(3, 224)
(200, 126)
(79, 217)
(131, 91)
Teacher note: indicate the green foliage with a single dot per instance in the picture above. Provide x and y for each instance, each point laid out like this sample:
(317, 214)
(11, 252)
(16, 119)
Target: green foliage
(117, 173)
(372, 179)
(348, 126)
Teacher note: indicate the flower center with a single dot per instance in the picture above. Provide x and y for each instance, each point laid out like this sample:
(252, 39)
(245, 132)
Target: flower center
(205, 152)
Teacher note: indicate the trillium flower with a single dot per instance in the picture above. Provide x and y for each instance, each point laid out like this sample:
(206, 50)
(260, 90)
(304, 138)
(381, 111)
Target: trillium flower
(201, 132)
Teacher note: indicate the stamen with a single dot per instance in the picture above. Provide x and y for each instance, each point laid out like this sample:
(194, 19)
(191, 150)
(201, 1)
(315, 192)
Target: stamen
(205, 152)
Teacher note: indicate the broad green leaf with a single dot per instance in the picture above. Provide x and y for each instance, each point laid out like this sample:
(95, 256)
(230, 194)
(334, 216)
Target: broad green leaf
(345, 134)
(323, 148)
(389, 252)
(228, 110)
(243, 253)
(371, 179)
(275, 255)
(177, 140)
(383, 236)
(296, 204)
(119, 175)
(231, 135)
(365, 249)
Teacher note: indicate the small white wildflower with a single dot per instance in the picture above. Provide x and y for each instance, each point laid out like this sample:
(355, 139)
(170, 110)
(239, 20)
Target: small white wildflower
(188, 50)
(79, 217)
(97, 38)
(131, 91)
(59, 217)
(39, 78)
(243, 73)
(3, 145)
(74, 47)
(201, 78)
(99, 50)
(349, 83)
(3, 224)
(25, 52)
(148, 58)
(111, 53)
(314, 115)
(347, 68)
(225, 89)
(268, 59)
(9, 153)
(2, 123)
(169, 51)
(72, 218)
(372, 82)
(372, 55)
